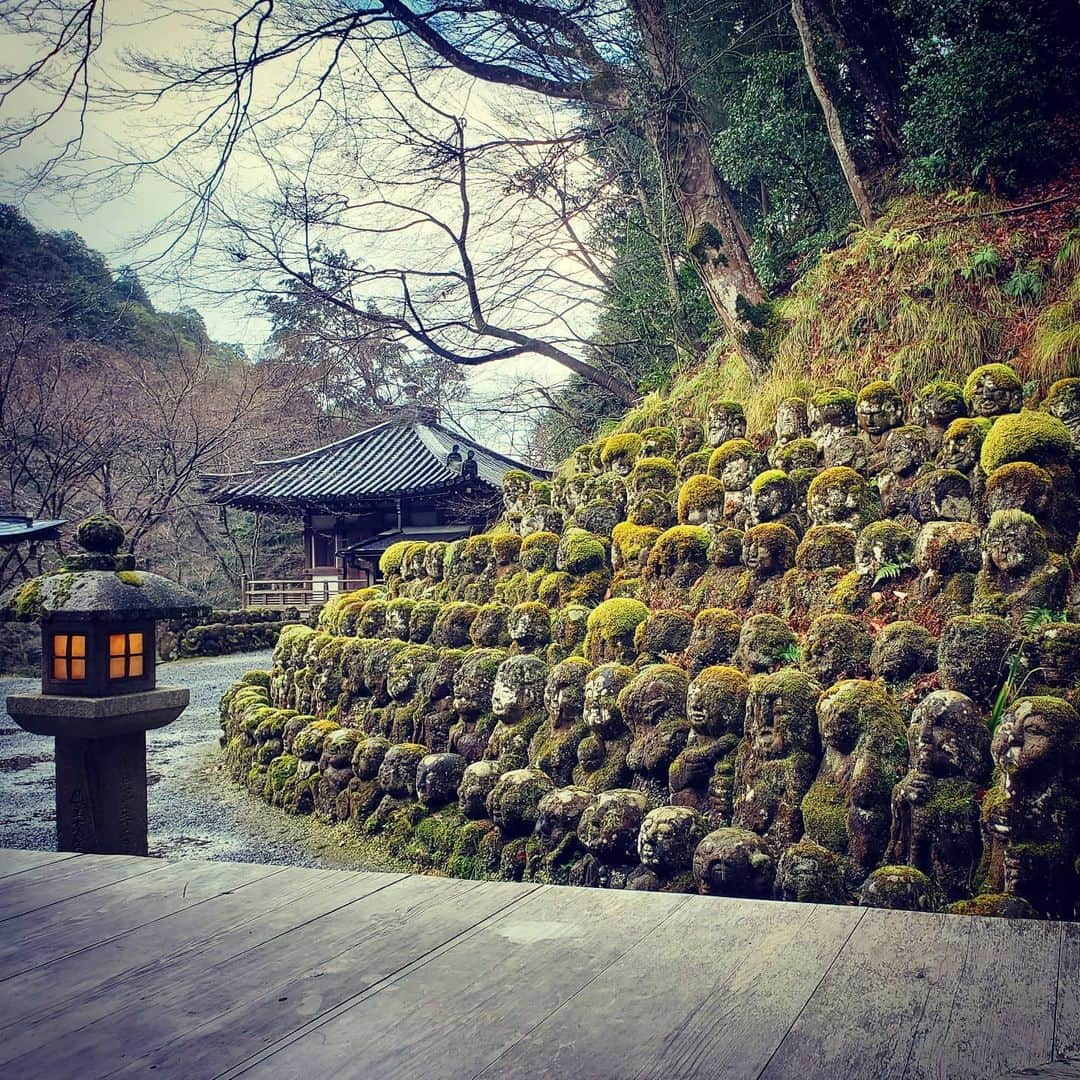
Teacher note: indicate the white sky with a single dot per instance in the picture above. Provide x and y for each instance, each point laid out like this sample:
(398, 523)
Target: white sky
(113, 220)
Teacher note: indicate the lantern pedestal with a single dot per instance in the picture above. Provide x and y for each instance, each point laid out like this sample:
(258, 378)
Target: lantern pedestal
(100, 763)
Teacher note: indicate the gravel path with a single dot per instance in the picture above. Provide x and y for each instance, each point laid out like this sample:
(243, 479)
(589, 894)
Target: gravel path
(195, 810)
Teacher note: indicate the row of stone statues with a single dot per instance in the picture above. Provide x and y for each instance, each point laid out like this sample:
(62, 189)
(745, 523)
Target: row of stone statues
(839, 660)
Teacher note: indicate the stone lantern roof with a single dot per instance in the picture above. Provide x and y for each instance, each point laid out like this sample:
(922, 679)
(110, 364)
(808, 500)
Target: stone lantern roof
(100, 584)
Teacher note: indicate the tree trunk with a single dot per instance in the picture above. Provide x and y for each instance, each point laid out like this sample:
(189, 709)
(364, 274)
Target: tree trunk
(717, 240)
(866, 72)
(832, 118)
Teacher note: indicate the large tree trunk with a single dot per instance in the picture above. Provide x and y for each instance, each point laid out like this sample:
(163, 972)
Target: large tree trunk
(717, 241)
(832, 117)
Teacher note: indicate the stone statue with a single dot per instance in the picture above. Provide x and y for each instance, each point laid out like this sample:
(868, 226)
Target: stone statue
(935, 808)
(667, 841)
(554, 747)
(778, 757)
(734, 862)
(517, 705)
(602, 753)
(653, 705)
(438, 777)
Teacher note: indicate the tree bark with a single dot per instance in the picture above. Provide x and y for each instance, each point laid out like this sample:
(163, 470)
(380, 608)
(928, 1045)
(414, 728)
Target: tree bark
(716, 238)
(832, 118)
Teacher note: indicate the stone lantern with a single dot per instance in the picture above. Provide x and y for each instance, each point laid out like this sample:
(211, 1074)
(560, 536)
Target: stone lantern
(98, 698)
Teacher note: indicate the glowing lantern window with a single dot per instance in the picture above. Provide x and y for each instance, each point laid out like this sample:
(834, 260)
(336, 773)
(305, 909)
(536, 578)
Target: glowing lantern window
(125, 656)
(68, 657)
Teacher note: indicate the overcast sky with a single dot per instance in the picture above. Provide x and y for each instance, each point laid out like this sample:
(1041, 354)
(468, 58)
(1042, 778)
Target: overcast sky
(113, 220)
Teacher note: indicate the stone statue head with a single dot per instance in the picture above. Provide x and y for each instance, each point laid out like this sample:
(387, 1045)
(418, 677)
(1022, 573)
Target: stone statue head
(949, 738)
(514, 800)
(901, 650)
(558, 814)
(772, 495)
(368, 756)
(438, 777)
(836, 647)
(879, 408)
(726, 420)
(1014, 543)
(564, 692)
(477, 782)
(609, 826)
(519, 688)
(529, 625)
(689, 436)
(1037, 737)
(475, 681)
(789, 421)
(780, 714)
(907, 449)
(734, 862)
(938, 404)
(764, 642)
(397, 773)
(602, 690)
(655, 695)
(993, 390)
(716, 701)
(668, 838)
(769, 549)
(962, 444)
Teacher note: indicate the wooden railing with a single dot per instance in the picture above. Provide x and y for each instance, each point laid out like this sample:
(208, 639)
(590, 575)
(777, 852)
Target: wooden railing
(302, 593)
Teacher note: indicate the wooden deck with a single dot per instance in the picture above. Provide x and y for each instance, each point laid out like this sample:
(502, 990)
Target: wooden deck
(117, 966)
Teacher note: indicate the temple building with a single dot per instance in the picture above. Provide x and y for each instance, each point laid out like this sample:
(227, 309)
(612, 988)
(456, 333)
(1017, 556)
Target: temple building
(410, 478)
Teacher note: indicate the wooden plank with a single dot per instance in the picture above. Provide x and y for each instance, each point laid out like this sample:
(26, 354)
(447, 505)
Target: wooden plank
(37, 889)
(710, 992)
(451, 1014)
(41, 937)
(999, 1014)
(61, 996)
(17, 861)
(1054, 1070)
(861, 1020)
(1067, 1017)
(196, 1019)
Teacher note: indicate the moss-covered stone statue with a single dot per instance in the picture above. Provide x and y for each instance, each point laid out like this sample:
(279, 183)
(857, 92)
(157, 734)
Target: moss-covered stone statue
(831, 415)
(778, 758)
(722, 584)
(847, 809)
(836, 647)
(608, 830)
(1032, 814)
(555, 846)
(554, 747)
(879, 409)
(935, 807)
(993, 390)
(972, 656)
(935, 406)
(768, 552)
(1019, 573)
(517, 704)
(765, 643)
(438, 777)
(726, 421)
(473, 686)
(653, 705)
(702, 776)
(789, 424)
(477, 782)
(667, 840)
(840, 496)
(713, 640)
(734, 862)
(824, 555)
(907, 451)
(808, 873)
(602, 753)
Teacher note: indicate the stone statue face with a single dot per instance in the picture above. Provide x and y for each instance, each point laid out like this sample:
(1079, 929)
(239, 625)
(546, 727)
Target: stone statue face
(738, 471)
(583, 459)
(733, 862)
(473, 685)
(621, 464)
(477, 782)
(558, 814)
(773, 502)
(942, 736)
(515, 492)
(564, 694)
(575, 491)
(1014, 547)
(668, 837)
(991, 398)
(602, 714)
(960, 450)
(712, 714)
(609, 826)
(519, 688)
(905, 451)
(688, 436)
(939, 408)
(369, 756)
(397, 622)
(437, 779)
(651, 701)
(1059, 654)
(404, 675)
(839, 719)
(1027, 743)
(529, 627)
(397, 773)
(433, 561)
(761, 641)
(724, 425)
(777, 722)
(570, 626)
(790, 421)
(879, 414)
(761, 559)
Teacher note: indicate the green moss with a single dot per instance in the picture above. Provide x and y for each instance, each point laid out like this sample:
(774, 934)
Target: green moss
(680, 544)
(130, 577)
(825, 816)
(391, 559)
(848, 480)
(280, 771)
(581, 551)
(100, 533)
(943, 390)
(538, 551)
(1025, 436)
(1002, 375)
(617, 618)
(631, 540)
(653, 472)
(727, 451)
(877, 391)
(626, 445)
(699, 493)
(825, 545)
(659, 441)
(833, 397)
(768, 479)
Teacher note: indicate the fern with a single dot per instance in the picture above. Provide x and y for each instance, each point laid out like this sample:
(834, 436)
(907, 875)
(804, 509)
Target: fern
(1033, 618)
(1025, 283)
(891, 571)
(983, 264)
(1013, 685)
(791, 654)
